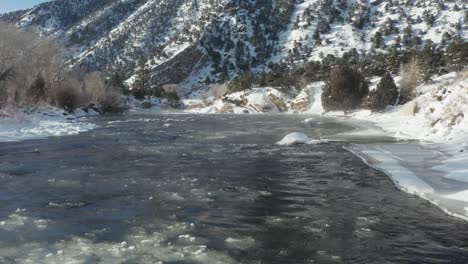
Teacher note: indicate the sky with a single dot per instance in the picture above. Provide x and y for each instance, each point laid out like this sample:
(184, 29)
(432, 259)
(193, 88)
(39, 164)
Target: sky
(12, 5)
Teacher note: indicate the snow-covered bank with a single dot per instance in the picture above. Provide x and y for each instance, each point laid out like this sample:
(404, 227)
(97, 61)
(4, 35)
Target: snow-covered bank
(42, 122)
(437, 170)
(413, 168)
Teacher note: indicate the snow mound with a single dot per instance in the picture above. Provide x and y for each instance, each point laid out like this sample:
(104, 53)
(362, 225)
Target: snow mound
(298, 138)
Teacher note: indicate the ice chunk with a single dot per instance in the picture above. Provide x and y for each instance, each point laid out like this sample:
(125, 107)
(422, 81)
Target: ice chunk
(240, 243)
(298, 138)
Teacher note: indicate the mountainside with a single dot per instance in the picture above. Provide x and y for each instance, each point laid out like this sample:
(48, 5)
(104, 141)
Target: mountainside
(191, 42)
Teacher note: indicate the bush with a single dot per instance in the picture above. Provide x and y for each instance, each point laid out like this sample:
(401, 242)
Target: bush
(69, 98)
(112, 102)
(385, 94)
(37, 90)
(410, 77)
(344, 89)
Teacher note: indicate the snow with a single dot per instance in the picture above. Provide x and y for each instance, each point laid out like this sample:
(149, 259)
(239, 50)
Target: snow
(298, 138)
(385, 159)
(253, 101)
(41, 123)
(436, 118)
(260, 100)
(459, 196)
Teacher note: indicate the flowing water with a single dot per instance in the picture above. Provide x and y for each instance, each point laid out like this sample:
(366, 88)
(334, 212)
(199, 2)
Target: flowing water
(210, 189)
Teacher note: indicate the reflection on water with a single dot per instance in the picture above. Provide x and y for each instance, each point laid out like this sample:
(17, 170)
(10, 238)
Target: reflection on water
(210, 189)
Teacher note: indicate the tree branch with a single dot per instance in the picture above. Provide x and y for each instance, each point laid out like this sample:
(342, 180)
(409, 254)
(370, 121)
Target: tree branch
(6, 74)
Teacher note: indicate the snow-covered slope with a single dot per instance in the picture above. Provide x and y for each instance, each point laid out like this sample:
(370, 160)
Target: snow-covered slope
(438, 114)
(192, 41)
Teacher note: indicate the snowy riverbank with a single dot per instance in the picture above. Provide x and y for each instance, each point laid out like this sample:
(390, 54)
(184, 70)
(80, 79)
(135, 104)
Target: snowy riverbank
(431, 160)
(437, 167)
(42, 122)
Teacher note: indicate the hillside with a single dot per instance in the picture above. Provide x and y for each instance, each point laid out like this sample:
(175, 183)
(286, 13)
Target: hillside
(193, 42)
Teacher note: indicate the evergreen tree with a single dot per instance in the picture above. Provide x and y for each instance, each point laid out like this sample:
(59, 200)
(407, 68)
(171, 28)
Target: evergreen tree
(344, 89)
(385, 94)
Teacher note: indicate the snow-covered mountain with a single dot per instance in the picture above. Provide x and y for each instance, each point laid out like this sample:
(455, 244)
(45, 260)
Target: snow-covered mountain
(190, 41)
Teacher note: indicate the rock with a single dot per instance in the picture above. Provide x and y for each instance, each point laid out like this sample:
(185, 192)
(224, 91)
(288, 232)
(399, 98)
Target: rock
(300, 105)
(278, 102)
(227, 108)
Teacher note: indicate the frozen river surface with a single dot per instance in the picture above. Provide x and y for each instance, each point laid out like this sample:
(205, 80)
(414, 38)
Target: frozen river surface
(211, 189)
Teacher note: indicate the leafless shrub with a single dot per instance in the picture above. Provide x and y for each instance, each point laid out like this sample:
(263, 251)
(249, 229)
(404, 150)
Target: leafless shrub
(69, 97)
(102, 94)
(33, 70)
(410, 78)
(31, 65)
(95, 86)
(112, 102)
(37, 90)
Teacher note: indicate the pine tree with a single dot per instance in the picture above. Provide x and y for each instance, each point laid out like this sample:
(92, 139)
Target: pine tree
(385, 94)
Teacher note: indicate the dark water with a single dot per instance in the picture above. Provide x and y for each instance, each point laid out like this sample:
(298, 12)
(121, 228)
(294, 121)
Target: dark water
(210, 189)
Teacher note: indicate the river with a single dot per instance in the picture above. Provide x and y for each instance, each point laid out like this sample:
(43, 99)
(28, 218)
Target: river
(177, 188)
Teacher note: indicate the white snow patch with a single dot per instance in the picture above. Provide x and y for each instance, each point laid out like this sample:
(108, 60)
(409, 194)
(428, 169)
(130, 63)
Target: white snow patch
(41, 123)
(404, 178)
(459, 196)
(298, 138)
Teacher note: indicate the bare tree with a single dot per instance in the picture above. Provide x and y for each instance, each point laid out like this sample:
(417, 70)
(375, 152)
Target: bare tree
(33, 69)
(25, 57)
(94, 85)
(410, 78)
